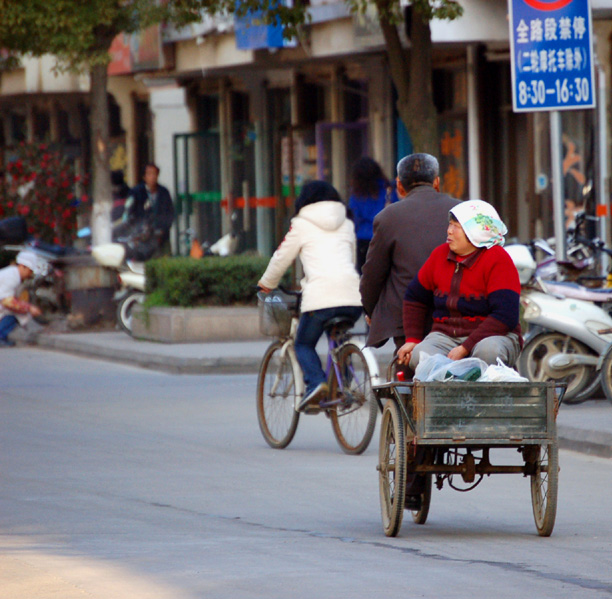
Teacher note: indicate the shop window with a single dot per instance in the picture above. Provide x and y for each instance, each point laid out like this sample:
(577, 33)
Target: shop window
(207, 110)
(311, 103)
(18, 127)
(355, 101)
(114, 118)
(41, 125)
(450, 98)
(63, 126)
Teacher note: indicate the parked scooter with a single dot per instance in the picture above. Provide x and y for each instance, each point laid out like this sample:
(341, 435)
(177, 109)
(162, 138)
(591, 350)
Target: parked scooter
(566, 335)
(131, 276)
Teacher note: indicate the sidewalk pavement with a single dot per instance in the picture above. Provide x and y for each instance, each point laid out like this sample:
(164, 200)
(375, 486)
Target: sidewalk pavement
(585, 427)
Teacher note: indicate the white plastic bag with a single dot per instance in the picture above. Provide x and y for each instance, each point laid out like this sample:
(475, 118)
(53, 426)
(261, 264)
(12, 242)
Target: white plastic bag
(430, 366)
(460, 368)
(441, 368)
(501, 373)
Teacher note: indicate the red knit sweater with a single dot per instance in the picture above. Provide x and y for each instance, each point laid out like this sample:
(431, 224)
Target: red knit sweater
(476, 297)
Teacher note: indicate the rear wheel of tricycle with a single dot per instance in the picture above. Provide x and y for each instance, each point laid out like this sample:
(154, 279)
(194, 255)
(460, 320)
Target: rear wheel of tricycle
(392, 468)
(353, 420)
(276, 397)
(420, 516)
(544, 484)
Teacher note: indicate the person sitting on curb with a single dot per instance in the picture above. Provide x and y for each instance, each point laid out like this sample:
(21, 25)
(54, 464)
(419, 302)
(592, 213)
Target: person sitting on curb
(12, 310)
(324, 238)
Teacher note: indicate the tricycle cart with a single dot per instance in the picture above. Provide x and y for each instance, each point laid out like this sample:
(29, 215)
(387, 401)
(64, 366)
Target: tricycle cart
(447, 429)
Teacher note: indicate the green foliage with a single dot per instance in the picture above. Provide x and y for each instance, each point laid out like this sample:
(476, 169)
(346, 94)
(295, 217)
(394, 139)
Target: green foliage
(80, 33)
(213, 281)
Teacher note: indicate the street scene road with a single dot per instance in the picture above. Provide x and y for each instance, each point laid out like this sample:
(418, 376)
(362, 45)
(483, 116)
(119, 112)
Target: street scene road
(122, 482)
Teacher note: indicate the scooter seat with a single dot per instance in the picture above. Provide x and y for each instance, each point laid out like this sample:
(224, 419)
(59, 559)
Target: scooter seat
(575, 291)
(136, 267)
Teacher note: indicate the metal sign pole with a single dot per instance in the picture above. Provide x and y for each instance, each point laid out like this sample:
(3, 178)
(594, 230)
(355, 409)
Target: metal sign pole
(556, 156)
(603, 197)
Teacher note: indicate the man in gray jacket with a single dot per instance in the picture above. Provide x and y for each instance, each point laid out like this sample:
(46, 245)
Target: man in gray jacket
(405, 233)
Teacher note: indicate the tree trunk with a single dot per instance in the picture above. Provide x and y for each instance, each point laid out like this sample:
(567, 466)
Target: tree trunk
(102, 189)
(412, 76)
(420, 114)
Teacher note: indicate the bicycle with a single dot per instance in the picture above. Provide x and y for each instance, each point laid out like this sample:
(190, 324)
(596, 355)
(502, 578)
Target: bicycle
(350, 405)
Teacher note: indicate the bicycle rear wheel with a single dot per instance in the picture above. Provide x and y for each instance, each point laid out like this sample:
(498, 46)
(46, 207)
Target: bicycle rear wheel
(353, 417)
(276, 396)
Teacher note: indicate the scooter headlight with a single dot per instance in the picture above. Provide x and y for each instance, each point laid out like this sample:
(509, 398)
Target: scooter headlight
(531, 309)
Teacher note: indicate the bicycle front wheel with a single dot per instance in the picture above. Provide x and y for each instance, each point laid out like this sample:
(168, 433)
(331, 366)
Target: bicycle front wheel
(276, 397)
(353, 415)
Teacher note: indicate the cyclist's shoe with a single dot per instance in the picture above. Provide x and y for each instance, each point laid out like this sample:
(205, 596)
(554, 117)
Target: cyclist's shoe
(310, 402)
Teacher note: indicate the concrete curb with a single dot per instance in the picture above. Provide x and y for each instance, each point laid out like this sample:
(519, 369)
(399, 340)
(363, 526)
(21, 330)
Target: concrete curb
(591, 442)
(152, 361)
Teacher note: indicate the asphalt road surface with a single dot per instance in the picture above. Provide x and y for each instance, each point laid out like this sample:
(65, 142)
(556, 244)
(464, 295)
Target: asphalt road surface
(121, 483)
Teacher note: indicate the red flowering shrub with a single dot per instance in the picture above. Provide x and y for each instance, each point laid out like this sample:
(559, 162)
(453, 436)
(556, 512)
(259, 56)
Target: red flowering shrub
(41, 186)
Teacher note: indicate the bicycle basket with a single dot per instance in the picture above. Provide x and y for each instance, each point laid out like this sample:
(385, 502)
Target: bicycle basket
(275, 312)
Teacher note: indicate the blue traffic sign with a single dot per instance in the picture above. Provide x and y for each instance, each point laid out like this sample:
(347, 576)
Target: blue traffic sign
(551, 55)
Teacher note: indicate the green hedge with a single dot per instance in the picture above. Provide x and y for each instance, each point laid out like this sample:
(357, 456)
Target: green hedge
(212, 281)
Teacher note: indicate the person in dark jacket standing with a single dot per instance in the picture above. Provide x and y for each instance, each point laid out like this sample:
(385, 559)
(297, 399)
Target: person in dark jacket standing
(405, 234)
(150, 203)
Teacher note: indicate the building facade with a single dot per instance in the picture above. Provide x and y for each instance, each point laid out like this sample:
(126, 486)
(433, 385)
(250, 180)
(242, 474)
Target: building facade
(237, 119)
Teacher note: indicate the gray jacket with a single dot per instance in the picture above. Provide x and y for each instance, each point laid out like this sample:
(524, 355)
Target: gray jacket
(405, 233)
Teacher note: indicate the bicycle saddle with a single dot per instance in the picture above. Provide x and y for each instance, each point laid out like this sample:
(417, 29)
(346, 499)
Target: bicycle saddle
(338, 325)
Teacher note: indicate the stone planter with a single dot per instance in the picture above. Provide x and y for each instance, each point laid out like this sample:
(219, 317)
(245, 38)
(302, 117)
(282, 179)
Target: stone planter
(196, 325)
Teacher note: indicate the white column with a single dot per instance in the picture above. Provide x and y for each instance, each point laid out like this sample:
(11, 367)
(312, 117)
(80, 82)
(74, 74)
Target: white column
(170, 116)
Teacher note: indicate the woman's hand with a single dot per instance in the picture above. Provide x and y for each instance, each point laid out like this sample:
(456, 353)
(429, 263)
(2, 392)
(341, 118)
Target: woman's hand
(458, 353)
(263, 288)
(404, 353)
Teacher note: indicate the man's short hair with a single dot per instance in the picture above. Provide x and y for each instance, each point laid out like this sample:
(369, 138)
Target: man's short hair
(152, 165)
(417, 168)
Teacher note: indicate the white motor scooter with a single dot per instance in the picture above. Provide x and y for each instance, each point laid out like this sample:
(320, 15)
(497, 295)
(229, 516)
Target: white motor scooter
(131, 277)
(566, 335)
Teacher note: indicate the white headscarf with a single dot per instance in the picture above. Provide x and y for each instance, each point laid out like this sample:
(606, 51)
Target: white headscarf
(480, 222)
(29, 259)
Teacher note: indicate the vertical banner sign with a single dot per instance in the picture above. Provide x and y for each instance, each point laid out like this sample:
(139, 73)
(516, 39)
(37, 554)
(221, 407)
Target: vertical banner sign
(551, 55)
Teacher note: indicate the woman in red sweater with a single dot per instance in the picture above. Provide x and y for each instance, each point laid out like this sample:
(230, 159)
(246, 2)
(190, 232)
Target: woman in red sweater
(472, 286)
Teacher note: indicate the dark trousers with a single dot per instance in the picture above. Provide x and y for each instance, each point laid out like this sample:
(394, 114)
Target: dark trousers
(362, 252)
(310, 329)
(7, 324)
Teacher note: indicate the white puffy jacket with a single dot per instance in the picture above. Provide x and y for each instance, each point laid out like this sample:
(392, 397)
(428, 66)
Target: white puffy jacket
(325, 240)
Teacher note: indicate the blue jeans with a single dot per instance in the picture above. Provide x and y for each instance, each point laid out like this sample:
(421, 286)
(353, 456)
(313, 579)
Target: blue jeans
(308, 334)
(7, 324)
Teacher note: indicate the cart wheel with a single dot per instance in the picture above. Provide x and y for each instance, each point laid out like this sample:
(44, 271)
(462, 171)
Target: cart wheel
(544, 485)
(392, 469)
(420, 516)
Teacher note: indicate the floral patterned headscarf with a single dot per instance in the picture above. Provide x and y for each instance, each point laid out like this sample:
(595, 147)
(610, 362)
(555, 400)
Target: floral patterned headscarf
(480, 222)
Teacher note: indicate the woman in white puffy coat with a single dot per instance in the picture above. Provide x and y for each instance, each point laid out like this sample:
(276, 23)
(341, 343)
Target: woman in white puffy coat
(323, 237)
